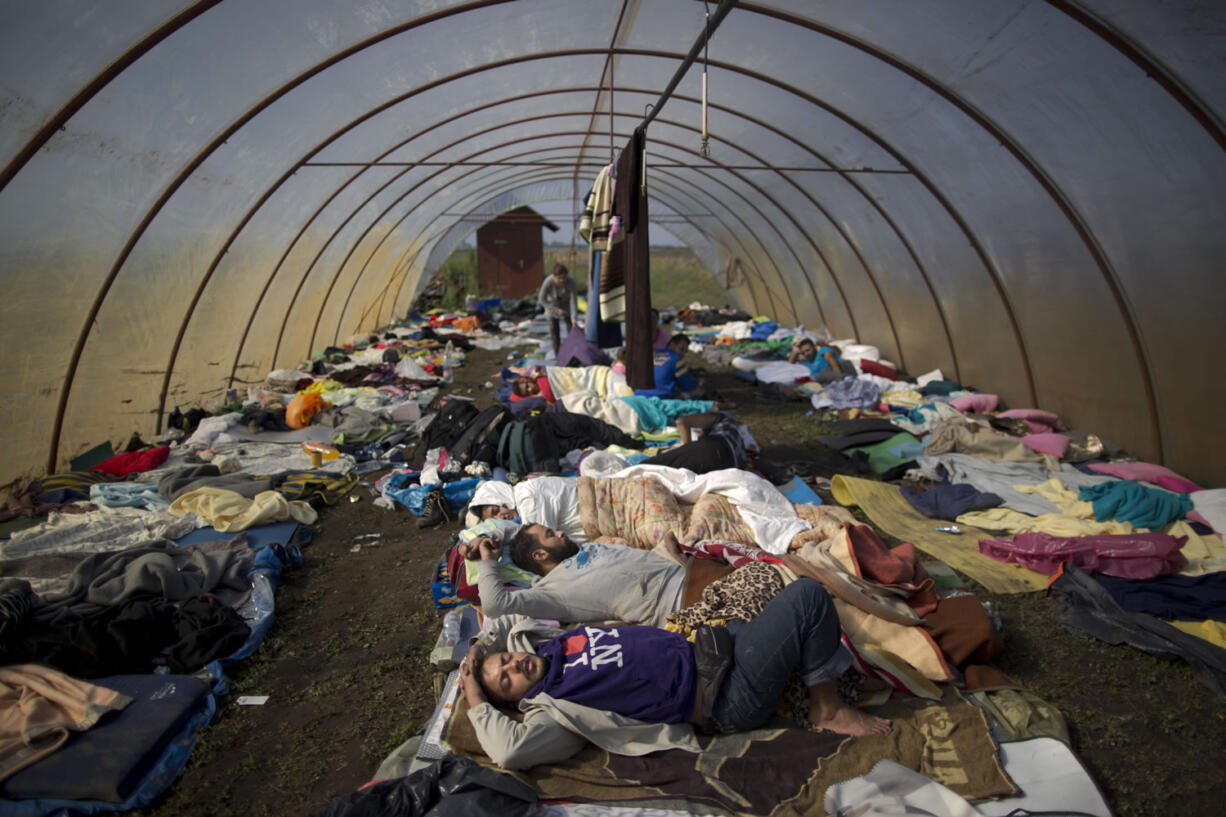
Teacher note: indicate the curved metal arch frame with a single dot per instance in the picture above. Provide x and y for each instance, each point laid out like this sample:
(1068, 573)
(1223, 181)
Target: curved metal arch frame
(845, 176)
(407, 265)
(465, 174)
(518, 183)
(91, 89)
(199, 159)
(748, 203)
(1134, 52)
(386, 105)
(191, 167)
(1063, 203)
(494, 129)
(638, 52)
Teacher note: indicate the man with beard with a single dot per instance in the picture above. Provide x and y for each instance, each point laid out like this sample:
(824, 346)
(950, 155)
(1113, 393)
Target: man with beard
(592, 582)
(634, 690)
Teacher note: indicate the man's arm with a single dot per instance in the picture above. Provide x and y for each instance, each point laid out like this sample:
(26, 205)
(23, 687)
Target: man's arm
(496, 600)
(685, 381)
(544, 297)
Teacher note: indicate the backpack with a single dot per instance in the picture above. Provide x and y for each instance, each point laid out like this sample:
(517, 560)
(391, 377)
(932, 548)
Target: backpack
(526, 446)
(453, 417)
(479, 442)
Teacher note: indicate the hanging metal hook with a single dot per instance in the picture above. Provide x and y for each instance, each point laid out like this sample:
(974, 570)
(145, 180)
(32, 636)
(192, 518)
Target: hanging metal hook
(704, 148)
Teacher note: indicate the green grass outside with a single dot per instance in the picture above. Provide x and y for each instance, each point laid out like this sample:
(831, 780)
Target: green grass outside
(678, 278)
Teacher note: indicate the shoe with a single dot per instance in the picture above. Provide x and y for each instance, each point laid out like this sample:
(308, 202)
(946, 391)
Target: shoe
(436, 511)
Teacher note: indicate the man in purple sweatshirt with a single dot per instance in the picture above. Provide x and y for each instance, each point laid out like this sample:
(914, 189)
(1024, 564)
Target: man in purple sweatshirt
(634, 690)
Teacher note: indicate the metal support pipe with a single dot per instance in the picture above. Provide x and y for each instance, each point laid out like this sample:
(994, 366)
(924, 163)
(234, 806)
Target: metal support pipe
(721, 12)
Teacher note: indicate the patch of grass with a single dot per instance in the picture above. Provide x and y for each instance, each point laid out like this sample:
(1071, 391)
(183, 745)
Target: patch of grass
(678, 279)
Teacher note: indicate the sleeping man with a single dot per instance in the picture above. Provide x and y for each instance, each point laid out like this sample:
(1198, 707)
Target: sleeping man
(633, 690)
(595, 582)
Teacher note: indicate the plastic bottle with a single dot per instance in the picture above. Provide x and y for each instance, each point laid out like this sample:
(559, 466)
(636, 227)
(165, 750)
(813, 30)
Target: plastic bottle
(326, 452)
(448, 356)
(451, 629)
(443, 654)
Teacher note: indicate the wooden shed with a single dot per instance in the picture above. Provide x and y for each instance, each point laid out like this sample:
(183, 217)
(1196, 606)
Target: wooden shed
(510, 252)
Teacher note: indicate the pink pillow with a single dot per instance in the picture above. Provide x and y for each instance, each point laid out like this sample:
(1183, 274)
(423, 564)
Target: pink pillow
(1147, 472)
(1038, 420)
(978, 403)
(1048, 443)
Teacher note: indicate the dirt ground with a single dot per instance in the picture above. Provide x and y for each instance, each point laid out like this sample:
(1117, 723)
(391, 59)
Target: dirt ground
(346, 667)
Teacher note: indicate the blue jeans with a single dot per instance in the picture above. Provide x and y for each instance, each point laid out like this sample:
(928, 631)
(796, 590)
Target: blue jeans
(798, 630)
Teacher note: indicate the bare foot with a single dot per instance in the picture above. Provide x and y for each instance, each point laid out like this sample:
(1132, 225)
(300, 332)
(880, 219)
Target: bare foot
(847, 720)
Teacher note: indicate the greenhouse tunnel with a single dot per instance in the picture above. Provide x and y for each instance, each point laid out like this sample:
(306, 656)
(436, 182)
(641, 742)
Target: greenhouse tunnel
(1027, 194)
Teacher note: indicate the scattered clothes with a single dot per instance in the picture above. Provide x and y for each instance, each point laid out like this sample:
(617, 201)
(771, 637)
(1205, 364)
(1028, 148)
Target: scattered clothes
(940, 387)
(136, 462)
(1131, 556)
(1038, 420)
(886, 455)
(949, 501)
(1211, 504)
(230, 511)
(1180, 597)
(1000, 477)
(966, 436)
(1085, 608)
(127, 495)
(1133, 502)
(32, 499)
(38, 707)
(1146, 472)
(978, 403)
(1056, 445)
(844, 434)
(112, 761)
(850, 392)
(1005, 520)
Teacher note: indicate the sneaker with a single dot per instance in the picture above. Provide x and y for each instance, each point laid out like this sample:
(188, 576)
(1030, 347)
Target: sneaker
(436, 511)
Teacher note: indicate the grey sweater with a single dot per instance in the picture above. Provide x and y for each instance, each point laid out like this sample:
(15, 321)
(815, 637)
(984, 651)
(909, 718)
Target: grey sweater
(599, 583)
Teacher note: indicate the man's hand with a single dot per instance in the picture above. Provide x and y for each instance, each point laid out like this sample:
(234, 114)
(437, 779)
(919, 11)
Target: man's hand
(469, 683)
(488, 548)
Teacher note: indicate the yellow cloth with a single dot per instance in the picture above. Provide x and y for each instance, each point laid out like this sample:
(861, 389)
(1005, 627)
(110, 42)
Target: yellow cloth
(1212, 631)
(1205, 554)
(1004, 520)
(907, 398)
(891, 513)
(229, 511)
(321, 386)
(1057, 493)
(599, 379)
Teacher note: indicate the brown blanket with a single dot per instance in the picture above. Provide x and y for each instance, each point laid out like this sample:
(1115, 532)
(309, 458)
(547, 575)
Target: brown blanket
(775, 772)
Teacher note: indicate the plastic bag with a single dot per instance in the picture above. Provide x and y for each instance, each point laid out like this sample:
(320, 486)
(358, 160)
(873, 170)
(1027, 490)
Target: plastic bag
(451, 787)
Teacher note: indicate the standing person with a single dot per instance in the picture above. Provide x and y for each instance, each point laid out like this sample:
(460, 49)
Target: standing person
(560, 300)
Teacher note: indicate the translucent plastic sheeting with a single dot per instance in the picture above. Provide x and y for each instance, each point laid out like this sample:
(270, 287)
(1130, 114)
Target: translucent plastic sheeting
(1025, 195)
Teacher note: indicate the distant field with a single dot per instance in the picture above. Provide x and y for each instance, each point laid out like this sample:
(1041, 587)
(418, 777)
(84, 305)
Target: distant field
(678, 278)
